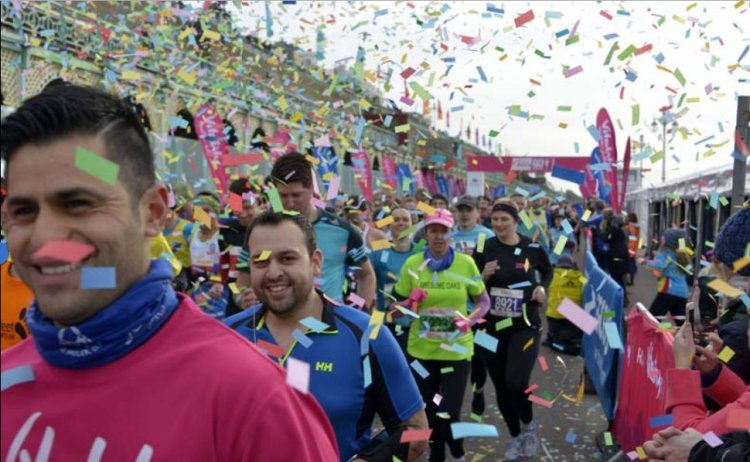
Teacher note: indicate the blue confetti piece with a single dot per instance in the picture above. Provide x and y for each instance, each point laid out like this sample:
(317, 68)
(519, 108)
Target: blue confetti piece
(659, 58)
(364, 342)
(419, 368)
(660, 420)
(594, 133)
(613, 336)
(388, 120)
(611, 36)
(3, 252)
(517, 251)
(15, 376)
(745, 298)
(314, 325)
(486, 341)
(562, 33)
(460, 349)
(384, 257)
(520, 285)
(570, 437)
(301, 338)
(382, 12)
(103, 277)
(493, 9)
(744, 53)
(568, 174)
(481, 73)
(175, 121)
(367, 371)
(566, 227)
(463, 429)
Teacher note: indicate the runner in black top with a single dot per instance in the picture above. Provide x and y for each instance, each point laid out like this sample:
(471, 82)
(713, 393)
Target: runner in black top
(516, 273)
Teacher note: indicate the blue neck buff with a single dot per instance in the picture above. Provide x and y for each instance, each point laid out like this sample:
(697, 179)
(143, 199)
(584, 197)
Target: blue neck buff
(439, 264)
(114, 331)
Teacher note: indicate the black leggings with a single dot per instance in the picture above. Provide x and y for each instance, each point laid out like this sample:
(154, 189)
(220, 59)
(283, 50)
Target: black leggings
(478, 371)
(451, 386)
(510, 370)
(664, 303)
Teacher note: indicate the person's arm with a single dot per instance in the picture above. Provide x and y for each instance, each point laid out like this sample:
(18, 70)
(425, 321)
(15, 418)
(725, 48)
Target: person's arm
(366, 282)
(418, 421)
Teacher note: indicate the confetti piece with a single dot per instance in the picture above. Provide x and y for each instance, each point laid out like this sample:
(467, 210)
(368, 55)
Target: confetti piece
(524, 18)
(560, 245)
(724, 288)
(574, 176)
(504, 324)
(641, 453)
(586, 215)
(480, 243)
(367, 372)
(660, 420)
(314, 325)
(446, 370)
(102, 277)
(608, 438)
(486, 341)
(16, 376)
(96, 165)
(572, 71)
(234, 160)
(466, 429)
(275, 199)
(680, 78)
(437, 399)
(613, 336)
(380, 244)
(543, 363)
(520, 285)
(726, 354)
(384, 222)
(570, 437)
(356, 300)
(409, 436)
(540, 401)
(264, 255)
(577, 316)
(270, 348)
(298, 374)
(712, 440)
(419, 368)
(426, 208)
(65, 251)
(301, 338)
(635, 112)
(3, 252)
(202, 217)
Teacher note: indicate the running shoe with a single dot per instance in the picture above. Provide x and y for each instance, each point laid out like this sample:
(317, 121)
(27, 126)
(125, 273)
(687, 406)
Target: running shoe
(530, 443)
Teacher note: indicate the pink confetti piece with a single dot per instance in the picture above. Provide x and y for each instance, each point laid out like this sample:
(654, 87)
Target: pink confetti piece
(65, 251)
(333, 188)
(524, 18)
(712, 440)
(572, 71)
(577, 316)
(298, 374)
(540, 401)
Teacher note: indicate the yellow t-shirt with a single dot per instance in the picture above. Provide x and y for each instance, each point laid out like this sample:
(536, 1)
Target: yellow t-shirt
(447, 292)
(14, 300)
(160, 249)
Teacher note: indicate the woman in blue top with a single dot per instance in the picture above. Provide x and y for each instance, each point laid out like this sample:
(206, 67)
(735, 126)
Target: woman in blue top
(671, 265)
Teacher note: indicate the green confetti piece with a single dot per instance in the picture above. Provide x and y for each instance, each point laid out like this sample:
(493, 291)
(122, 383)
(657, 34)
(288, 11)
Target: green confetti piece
(682, 99)
(678, 75)
(723, 201)
(626, 52)
(275, 200)
(709, 244)
(564, 108)
(665, 325)
(608, 314)
(503, 324)
(446, 370)
(635, 115)
(572, 40)
(475, 417)
(419, 91)
(493, 133)
(407, 231)
(96, 165)
(661, 20)
(610, 54)
(525, 219)
(656, 157)
(608, 438)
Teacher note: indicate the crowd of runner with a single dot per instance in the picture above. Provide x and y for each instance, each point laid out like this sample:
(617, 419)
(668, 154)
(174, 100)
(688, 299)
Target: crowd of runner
(386, 307)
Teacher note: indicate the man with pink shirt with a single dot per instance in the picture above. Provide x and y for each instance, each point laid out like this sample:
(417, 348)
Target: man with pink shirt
(120, 367)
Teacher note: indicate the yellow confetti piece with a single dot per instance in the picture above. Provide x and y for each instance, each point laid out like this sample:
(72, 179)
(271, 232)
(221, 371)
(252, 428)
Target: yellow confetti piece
(740, 263)
(525, 219)
(528, 344)
(376, 318)
(380, 244)
(384, 222)
(586, 215)
(283, 104)
(480, 243)
(526, 265)
(233, 288)
(188, 77)
(402, 128)
(130, 75)
(426, 208)
(641, 452)
(264, 255)
(726, 354)
(721, 286)
(202, 217)
(560, 245)
(211, 35)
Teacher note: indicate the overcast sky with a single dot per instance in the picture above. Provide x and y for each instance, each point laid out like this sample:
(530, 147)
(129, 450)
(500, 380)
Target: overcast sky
(704, 40)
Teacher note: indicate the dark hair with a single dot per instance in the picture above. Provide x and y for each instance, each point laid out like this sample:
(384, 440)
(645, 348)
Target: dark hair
(67, 110)
(240, 186)
(276, 218)
(292, 167)
(439, 196)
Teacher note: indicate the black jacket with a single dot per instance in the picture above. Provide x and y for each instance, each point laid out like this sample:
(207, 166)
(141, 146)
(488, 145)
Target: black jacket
(736, 448)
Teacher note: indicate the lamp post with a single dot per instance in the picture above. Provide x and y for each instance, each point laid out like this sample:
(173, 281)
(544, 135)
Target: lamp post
(665, 119)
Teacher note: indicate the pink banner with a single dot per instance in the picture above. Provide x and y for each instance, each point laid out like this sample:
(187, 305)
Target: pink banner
(643, 389)
(535, 164)
(625, 173)
(389, 172)
(608, 148)
(210, 131)
(363, 172)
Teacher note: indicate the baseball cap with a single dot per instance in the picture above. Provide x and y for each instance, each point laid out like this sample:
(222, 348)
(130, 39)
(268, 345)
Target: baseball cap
(440, 217)
(467, 201)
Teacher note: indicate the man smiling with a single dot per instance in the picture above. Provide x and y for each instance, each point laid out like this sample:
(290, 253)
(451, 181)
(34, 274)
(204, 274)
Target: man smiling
(120, 366)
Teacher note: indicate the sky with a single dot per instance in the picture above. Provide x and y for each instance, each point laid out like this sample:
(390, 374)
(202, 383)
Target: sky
(697, 62)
